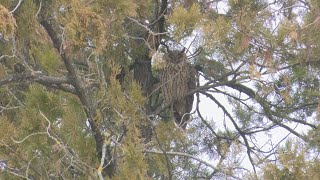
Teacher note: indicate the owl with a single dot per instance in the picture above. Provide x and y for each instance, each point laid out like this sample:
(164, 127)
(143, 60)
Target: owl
(177, 80)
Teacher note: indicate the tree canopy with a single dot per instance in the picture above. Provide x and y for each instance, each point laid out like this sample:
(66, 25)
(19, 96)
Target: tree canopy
(80, 95)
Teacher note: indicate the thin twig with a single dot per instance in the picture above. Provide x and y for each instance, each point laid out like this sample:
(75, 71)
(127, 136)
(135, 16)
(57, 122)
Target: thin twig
(182, 154)
(17, 6)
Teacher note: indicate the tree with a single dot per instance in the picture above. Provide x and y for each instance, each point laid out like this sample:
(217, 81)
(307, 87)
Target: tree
(80, 94)
(295, 163)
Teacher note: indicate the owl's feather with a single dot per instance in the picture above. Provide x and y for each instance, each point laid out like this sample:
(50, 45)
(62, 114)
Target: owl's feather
(178, 79)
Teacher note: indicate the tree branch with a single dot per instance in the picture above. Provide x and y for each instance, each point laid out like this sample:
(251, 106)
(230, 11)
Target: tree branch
(35, 76)
(81, 91)
(17, 6)
(264, 104)
(182, 154)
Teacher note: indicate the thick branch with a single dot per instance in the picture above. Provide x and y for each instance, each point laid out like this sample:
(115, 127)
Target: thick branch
(81, 91)
(34, 76)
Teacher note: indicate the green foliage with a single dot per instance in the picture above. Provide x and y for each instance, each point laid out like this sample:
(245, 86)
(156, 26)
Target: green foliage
(7, 22)
(82, 24)
(122, 8)
(26, 20)
(133, 165)
(185, 20)
(314, 135)
(166, 133)
(294, 164)
(84, 61)
(48, 58)
(7, 130)
(128, 109)
(244, 114)
(38, 98)
(216, 31)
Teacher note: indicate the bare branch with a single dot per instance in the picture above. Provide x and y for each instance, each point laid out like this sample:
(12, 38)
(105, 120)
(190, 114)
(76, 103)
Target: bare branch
(237, 128)
(17, 6)
(181, 154)
(268, 112)
(36, 76)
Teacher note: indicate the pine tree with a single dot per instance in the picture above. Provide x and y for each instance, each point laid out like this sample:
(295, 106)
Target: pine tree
(80, 96)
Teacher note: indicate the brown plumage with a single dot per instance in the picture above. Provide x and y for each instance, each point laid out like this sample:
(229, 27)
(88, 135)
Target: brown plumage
(177, 79)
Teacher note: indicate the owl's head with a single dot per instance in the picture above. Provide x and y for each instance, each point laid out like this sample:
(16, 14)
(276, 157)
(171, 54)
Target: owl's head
(175, 56)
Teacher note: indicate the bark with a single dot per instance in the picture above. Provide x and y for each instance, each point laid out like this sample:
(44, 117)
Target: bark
(84, 96)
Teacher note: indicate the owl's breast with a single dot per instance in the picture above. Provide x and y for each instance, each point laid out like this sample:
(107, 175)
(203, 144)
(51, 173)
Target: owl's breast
(174, 80)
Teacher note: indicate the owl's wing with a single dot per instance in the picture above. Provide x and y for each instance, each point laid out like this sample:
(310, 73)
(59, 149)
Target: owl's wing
(192, 81)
